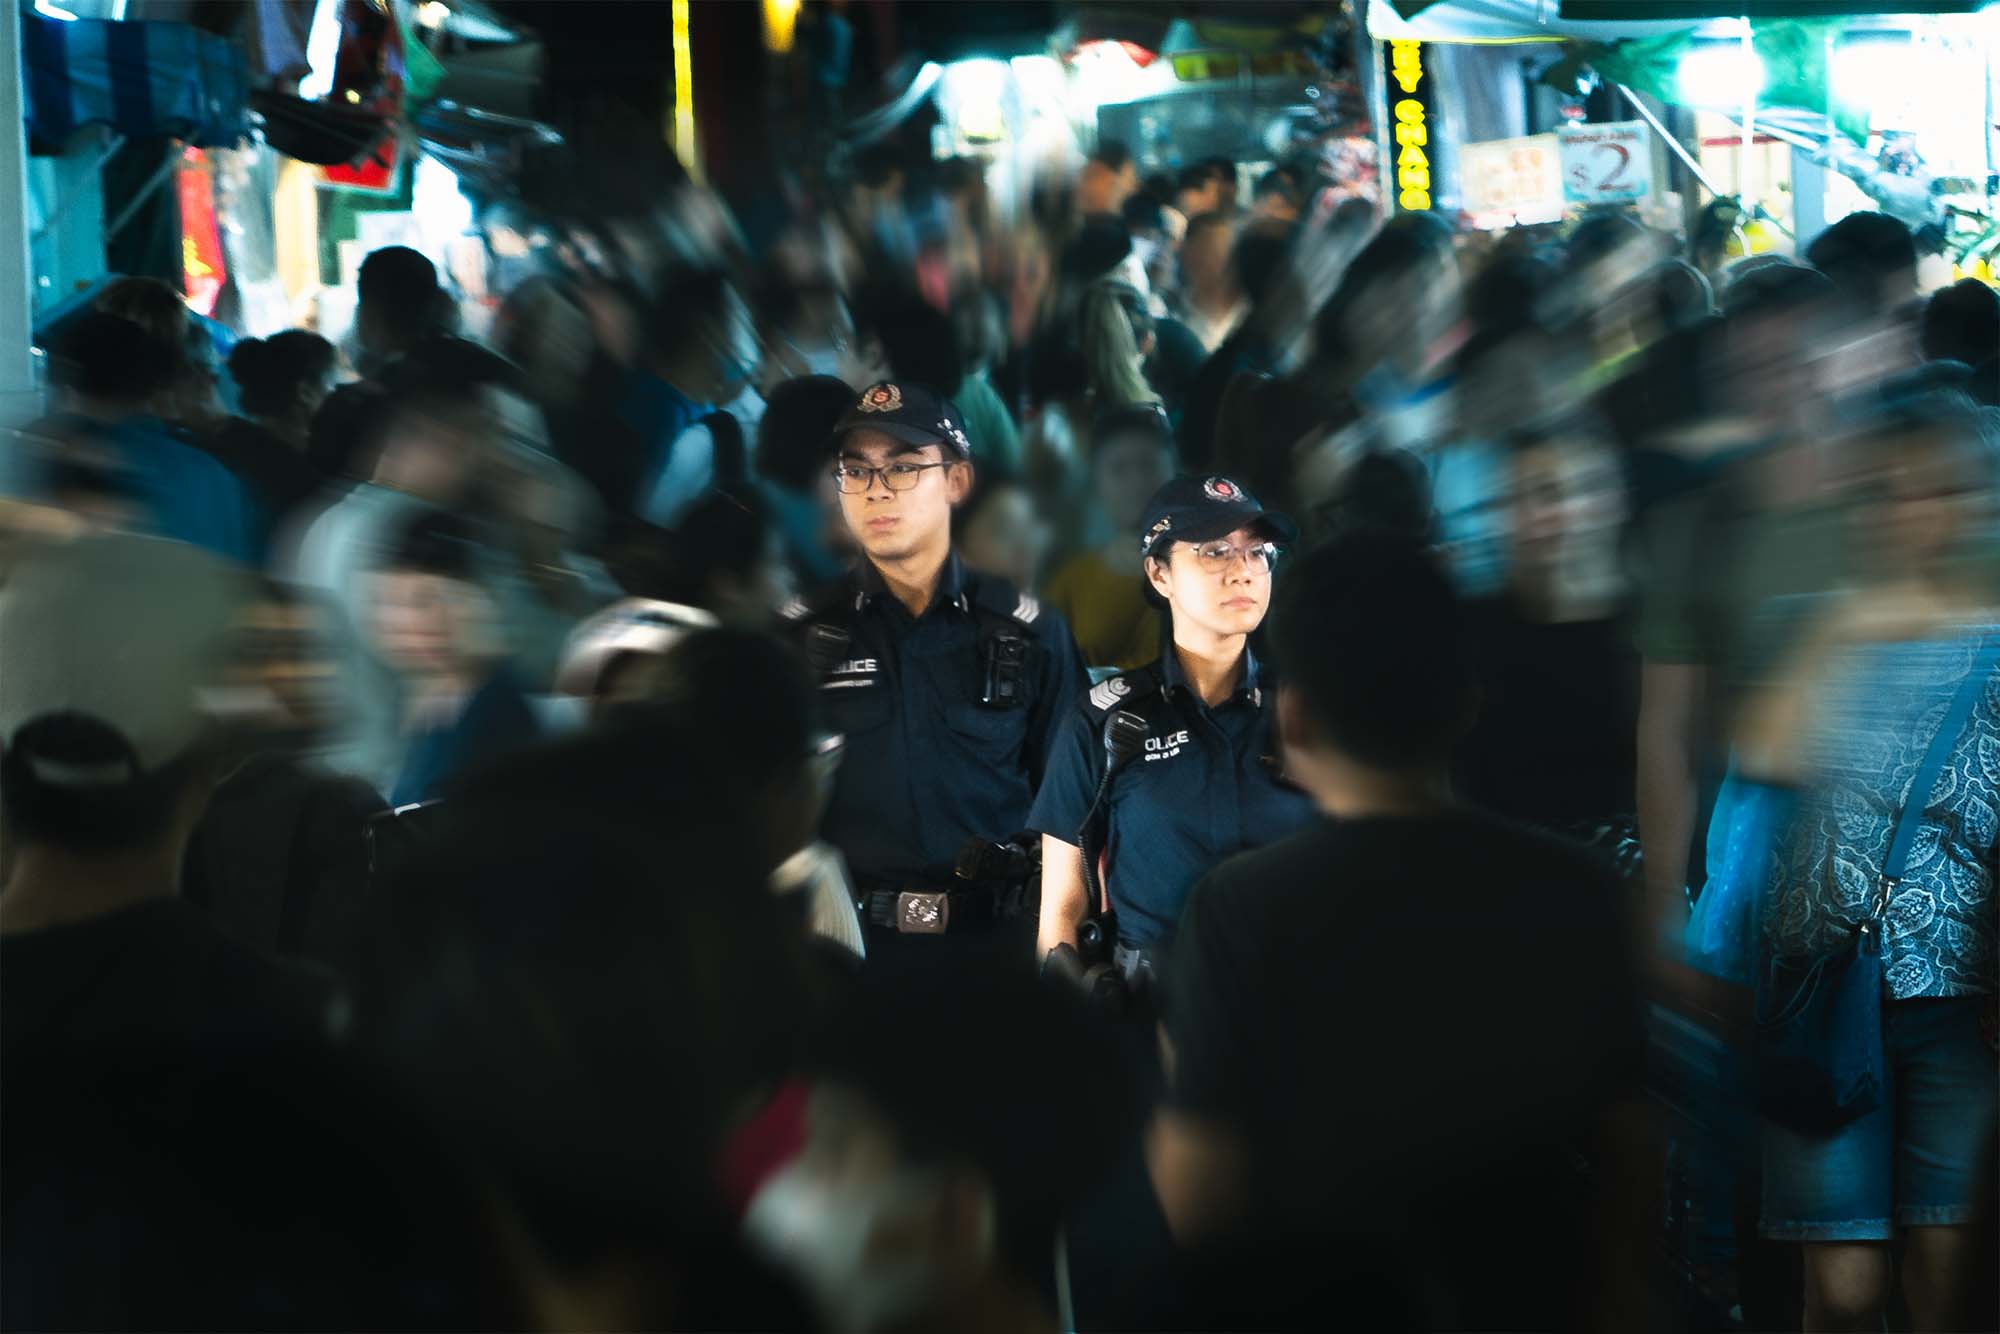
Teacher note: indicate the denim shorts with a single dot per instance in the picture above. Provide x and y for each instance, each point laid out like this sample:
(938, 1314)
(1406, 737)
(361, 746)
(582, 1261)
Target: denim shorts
(1912, 1162)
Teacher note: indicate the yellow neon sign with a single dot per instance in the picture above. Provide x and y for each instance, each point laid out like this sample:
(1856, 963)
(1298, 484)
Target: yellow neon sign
(1413, 165)
(685, 145)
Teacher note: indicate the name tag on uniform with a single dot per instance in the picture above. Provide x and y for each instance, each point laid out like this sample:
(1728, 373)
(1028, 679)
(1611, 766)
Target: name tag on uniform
(1165, 747)
(853, 672)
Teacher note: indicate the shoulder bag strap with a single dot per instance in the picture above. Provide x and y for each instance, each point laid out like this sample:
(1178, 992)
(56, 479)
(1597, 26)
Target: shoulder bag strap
(1949, 727)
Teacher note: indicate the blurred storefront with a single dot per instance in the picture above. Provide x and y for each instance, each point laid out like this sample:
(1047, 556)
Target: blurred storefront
(253, 161)
(1803, 114)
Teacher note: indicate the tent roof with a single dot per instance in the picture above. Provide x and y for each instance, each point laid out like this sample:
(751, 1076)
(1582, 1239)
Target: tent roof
(1502, 21)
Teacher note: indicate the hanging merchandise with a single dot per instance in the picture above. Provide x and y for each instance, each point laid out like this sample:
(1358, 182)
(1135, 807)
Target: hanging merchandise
(203, 270)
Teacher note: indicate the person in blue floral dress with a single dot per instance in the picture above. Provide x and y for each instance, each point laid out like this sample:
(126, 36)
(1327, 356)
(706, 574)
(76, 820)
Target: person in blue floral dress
(1847, 723)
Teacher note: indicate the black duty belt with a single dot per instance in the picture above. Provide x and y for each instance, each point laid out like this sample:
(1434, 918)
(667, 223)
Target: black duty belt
(921, 912)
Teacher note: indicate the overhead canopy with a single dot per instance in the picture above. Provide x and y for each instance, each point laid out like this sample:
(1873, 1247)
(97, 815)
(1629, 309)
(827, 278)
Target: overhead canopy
(1685, 10)
(141, 79)
(1499, 21)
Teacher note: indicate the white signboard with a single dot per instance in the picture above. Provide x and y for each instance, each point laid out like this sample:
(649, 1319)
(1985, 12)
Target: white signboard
(1507, 181)
(1607, 164)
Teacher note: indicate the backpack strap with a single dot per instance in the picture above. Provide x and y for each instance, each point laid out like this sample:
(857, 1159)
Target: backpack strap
(731, 457)
(1925, 780)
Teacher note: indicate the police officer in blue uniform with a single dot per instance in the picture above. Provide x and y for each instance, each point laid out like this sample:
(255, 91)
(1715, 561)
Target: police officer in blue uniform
(948, 684)
(1206, 783)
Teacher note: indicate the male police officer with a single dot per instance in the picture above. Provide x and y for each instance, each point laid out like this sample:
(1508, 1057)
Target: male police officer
(948, 685)
(1205, 784)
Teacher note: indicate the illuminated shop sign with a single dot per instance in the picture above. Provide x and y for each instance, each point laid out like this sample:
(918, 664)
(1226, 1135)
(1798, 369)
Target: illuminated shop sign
(1407, 90)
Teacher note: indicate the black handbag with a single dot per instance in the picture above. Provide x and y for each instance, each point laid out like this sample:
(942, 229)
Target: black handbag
(1818, 1054)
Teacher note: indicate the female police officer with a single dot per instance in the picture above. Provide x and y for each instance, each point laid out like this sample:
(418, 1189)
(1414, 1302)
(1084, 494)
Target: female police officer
(1206, 783)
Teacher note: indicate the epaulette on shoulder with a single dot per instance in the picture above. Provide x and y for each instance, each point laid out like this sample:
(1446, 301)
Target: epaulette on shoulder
(1001, 598)
(1116, 692)
(830, 603)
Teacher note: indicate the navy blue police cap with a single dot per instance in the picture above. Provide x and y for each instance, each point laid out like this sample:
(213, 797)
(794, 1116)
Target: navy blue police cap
(912, 413)
(1201, 509)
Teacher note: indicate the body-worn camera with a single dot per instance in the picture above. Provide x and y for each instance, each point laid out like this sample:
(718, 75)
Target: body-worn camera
(1004, 683)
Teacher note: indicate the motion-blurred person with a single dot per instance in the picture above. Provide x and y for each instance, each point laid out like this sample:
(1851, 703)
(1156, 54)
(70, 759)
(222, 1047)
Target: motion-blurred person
(1279, 196)
(791, 462)
(396, 311)
(1110, 176)
(978, 332)
(537, 520)
(903, 337)
(778, 783)
(723, 741)
(998, 531)
(947, 684)
(1212, 302)
(894, 1218)
(127, 1013)
(811, 332)
(1666, 388)
(279, 858)
(1156, 238)
(1177, 353)
(439, 631)
(1282, 940)
(1208, 784)
(701, 351)
(1258, 261)
(1198, 191)
(1766, 524)
(1604, 294)
(111, 378)
(191, 400)
(150, 303)
(1871, 259)
(1389, 324)
(1102, 592)
(1558, 680)
(396, 307)
(1226, 183)
(429, 447)
(1088, 354)
(552, 997)
(280, 383)
(1090, 357)
(1848, 722)
(1962, 323)
(1871, 325)
(727, 558)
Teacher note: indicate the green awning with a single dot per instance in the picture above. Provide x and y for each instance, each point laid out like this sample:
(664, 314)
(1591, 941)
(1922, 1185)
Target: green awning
(1653, 10)
(1795, 68)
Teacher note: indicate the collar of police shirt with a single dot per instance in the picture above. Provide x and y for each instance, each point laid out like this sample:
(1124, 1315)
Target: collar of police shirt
(1173, 678)
(954, 587)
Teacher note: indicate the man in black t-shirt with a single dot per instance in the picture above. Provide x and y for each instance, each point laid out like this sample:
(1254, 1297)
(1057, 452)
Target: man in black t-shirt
(128, 1021)
(1395, 1032)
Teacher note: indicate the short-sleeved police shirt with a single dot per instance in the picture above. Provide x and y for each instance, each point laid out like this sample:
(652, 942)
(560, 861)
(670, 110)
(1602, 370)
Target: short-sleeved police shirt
(1207, 786)
(927, 766)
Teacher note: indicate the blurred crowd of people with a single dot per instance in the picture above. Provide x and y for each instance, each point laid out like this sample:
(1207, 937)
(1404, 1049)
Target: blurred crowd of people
(476, 814)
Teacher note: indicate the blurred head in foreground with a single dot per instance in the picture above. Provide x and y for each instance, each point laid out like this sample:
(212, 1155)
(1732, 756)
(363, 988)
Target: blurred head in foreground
(114, 652)
(892, 1217)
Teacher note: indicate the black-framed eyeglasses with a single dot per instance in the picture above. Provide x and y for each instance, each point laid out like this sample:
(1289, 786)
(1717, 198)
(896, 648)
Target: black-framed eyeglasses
(856, 478)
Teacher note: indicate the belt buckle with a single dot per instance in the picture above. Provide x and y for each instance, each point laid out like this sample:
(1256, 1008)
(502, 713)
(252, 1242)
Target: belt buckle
(922, 914)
